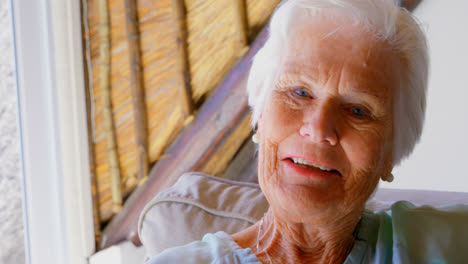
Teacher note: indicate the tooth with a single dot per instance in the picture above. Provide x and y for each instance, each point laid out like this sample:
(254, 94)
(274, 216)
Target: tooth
(305, 162)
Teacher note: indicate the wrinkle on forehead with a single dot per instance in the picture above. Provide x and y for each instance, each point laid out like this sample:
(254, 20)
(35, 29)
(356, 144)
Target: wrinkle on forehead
(351, 59)
(332, 32)
(355, 46)
(327, 29)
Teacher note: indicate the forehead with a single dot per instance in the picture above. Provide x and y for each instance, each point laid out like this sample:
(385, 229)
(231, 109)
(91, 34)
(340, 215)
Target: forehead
(326, 47)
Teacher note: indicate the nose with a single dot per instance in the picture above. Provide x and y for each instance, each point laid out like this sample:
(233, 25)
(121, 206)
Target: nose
(320, 124)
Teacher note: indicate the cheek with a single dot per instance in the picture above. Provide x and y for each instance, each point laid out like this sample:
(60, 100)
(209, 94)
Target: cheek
(279, 121)
(365, 148)
(268, 176)
(368, 155)
(359, 187)
(274, 127)
(359, 153)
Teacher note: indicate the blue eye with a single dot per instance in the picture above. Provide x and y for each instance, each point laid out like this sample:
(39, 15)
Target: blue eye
(358, 111)
(302, 92)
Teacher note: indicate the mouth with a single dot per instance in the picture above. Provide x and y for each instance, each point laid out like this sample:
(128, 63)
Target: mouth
(304, 166)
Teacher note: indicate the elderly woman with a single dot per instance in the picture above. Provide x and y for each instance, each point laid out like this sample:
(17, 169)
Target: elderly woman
(338, 96)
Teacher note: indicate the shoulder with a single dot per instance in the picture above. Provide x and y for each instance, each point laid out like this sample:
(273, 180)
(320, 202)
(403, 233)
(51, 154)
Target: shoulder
(213, 248)
(424, 233)
(411, 234)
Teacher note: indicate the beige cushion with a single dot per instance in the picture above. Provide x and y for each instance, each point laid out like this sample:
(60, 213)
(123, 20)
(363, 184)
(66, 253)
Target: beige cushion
(195, 205)
(198, 204)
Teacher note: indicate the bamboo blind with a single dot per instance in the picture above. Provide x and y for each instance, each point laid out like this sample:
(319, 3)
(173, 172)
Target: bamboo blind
(209, 35)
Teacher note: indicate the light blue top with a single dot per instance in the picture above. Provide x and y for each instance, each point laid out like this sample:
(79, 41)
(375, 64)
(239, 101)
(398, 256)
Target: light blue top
(405, 234)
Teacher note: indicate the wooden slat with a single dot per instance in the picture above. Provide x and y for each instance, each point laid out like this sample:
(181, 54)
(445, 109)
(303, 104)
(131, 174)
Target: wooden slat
(226, 151)
(88, 92)
(182, 60)
(136, 85)
(258, 14)
(215, 122)
(242, 23)
(212, 44)
(104, 78)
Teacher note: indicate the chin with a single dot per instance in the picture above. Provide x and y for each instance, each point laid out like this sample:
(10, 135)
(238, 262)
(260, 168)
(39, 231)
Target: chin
(301, 201)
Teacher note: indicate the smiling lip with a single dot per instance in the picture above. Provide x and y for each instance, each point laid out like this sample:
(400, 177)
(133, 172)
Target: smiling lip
(311, 171)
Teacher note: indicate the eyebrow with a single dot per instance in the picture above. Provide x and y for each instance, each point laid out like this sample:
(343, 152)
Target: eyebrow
(296, 74)
(374, 94)
(292, 68)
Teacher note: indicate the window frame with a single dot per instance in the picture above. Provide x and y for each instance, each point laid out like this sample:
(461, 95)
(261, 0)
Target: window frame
(57, 203)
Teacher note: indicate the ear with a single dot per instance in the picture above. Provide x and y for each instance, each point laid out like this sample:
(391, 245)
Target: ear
(388, 175)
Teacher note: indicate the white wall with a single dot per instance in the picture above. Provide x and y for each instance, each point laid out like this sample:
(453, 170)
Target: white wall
(440, 160)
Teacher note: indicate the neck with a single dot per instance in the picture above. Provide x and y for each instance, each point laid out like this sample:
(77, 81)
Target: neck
(306, 242)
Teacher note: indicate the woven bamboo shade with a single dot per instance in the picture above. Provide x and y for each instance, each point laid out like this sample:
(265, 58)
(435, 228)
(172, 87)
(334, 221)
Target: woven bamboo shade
(212, 47)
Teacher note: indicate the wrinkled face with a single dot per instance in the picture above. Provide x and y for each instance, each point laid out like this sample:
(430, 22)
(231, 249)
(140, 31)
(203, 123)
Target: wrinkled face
(326, 129)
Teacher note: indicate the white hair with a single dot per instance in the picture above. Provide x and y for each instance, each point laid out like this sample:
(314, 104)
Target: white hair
(386, 21)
